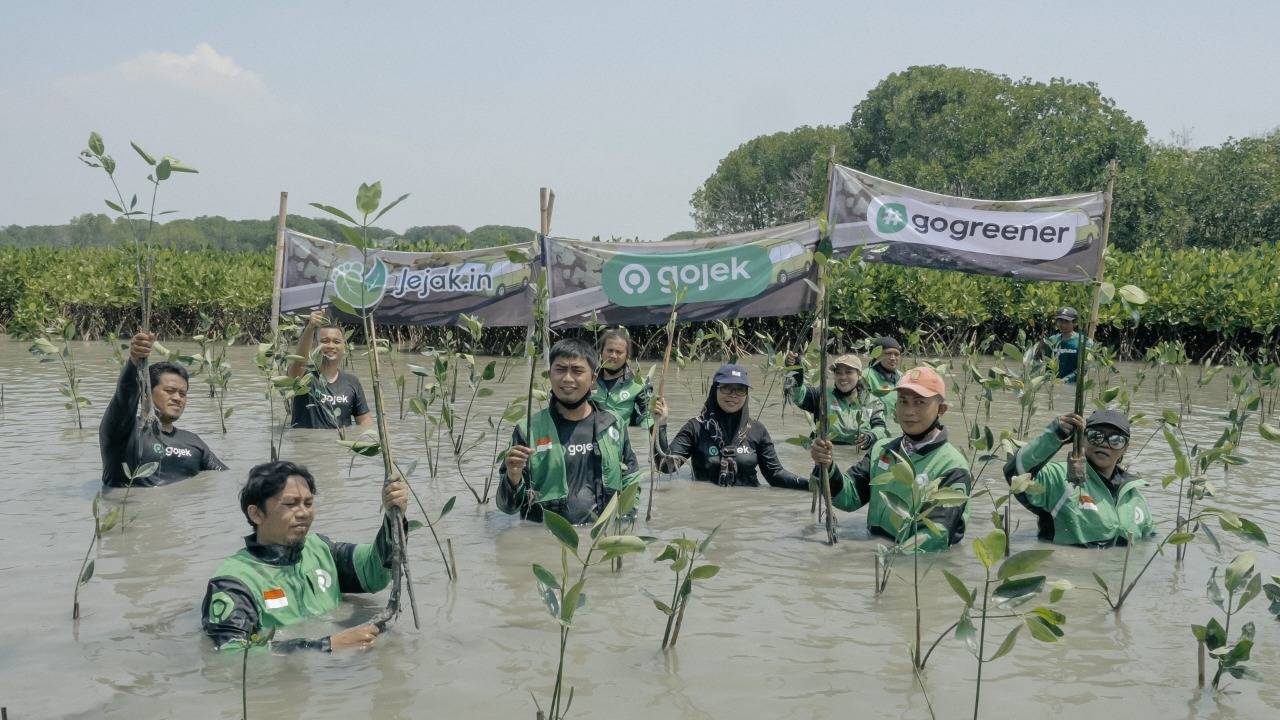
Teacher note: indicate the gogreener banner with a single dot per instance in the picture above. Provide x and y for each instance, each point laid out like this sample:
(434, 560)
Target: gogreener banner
(409, 288)
(1053, 238)
(755, 274)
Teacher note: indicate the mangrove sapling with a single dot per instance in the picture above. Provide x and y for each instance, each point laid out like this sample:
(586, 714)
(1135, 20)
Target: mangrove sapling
(62, 330)
(476, 378)
(677, 296)
(95, 156)
(563, 599)
(683, 554)
(513, 414)
(272, 360)
(1016, 587)
(213, 364)
(1191, 467)
(911, 498)
(358, 288)
(101, 526)
(1183, 533)
(1238, 578)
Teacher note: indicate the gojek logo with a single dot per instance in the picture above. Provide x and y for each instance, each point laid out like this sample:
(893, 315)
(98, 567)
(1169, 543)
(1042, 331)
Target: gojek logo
(732, 273)
(358, 287)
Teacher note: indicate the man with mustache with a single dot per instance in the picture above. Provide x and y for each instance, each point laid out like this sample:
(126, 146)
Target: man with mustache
(285, 573)
(126, 439)
(573, 456)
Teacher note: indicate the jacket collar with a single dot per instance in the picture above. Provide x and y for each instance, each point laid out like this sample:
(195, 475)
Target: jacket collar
(278, 555)
(937, 442)
(890, 375)
(625, 378)
(601, 419)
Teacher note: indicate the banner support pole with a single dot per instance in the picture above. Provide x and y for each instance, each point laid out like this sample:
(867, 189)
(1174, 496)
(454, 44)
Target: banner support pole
(824, 247)
(1076, 468)
(281, 227)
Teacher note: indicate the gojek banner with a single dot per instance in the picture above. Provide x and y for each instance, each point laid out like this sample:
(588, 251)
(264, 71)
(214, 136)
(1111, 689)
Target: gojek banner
(410, 288)
(1052, 238)
(753, 274)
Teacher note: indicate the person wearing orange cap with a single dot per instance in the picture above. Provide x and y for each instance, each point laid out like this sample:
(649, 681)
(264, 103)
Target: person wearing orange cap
(853, 416)
(921, 403)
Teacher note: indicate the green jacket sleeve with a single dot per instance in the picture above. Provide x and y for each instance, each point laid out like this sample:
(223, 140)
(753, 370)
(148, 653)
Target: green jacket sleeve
(1050, 478)
(851, 489)
(364, 568)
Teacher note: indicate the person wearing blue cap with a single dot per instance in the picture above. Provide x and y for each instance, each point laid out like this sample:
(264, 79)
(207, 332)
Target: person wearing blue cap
(1108, 509)
(723, 444)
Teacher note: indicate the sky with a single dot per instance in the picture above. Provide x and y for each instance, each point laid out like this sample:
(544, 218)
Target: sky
(624, 109)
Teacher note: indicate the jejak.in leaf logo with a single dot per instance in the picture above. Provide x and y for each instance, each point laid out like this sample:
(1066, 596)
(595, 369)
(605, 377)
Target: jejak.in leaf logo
(358, 287)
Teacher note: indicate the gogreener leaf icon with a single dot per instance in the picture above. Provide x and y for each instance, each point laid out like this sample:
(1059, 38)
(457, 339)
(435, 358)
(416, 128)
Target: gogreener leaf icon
(360, 288)
(891, 218)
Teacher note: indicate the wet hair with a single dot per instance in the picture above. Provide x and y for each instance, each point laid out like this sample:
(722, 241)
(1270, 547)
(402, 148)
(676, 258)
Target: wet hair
(574, 349)
(268, 480)
(159, 369)
(618, 333)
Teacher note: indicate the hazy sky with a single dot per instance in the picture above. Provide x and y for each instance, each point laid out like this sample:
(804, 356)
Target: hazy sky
(623, 108)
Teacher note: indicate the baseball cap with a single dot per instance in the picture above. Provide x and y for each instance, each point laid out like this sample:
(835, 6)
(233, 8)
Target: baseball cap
(1112, 418)
(924, 381)
(1067, 313)
(731, 375)
(848, 360)
(884, 342)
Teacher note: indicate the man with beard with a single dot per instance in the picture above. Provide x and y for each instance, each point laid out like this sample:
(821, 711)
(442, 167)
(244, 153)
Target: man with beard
(286, 574)
(882, 377)
(126, 439)
(571, 457)
(618, 389)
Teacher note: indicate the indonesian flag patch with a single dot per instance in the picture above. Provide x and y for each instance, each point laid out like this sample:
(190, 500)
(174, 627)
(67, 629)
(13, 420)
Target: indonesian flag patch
(543, 444)
(274, 599)
(885, 460)
(1087, 503)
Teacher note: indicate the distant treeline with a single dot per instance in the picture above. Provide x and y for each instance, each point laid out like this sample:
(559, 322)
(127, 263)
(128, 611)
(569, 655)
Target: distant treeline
(214, 232)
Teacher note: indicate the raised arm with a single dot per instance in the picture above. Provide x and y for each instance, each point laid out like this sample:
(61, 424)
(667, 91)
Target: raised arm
(306, 342)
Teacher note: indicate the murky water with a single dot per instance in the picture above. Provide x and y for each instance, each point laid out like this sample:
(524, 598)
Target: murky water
(790, 627)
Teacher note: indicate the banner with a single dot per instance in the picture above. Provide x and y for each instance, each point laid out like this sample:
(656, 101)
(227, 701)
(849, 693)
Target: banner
(409, 288)
(753, 274)
(1053, 238)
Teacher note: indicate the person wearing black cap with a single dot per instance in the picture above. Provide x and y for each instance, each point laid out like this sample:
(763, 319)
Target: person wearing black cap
(1108, 508)
(1065, 344)
(573, 456)
(882, 377)
(724, 444)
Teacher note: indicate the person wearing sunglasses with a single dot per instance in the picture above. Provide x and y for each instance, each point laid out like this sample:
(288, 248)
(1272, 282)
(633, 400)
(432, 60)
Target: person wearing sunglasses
(1108, 509)
(723, 444)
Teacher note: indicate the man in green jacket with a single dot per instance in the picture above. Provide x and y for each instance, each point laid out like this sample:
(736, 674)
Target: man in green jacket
(882, 377)
(618, 389)
(285, 573)
(1108, 508)
(921, 403)
(573, 456)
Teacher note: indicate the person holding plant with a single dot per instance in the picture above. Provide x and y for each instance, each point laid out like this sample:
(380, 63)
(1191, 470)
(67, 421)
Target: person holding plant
(571, 457)
(337, 398)
(882, 377)
(723, 444)
(1065, 345)
(854, 417)
(285, 573)
(921, 404)
(617, 388)
(126, 439)
(1108, 509)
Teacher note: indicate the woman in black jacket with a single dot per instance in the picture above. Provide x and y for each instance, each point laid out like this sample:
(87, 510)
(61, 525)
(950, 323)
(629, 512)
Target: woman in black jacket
(724, 444)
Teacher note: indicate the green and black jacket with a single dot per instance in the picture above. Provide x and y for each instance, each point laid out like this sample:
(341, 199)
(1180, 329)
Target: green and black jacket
(544, 474)
(849, 418)
(882, 384)
(860, 485)
(1099, 513)
(264, 588)
(628, 399)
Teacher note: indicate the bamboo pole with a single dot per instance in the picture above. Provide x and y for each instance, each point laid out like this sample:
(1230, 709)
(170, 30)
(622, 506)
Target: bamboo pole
(546, 201)
(1077, 470)
(281, 228)
(824, 242)
(662, 388)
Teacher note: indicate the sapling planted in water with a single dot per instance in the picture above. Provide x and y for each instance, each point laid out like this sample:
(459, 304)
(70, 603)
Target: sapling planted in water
(1240, 580)
(683, 554)
(43, 347)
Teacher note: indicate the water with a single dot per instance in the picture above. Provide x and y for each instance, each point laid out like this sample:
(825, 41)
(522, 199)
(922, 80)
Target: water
(790, 627)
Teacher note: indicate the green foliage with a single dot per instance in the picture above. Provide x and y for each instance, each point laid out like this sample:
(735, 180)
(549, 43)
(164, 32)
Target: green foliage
(1242, 584)
(683, 554)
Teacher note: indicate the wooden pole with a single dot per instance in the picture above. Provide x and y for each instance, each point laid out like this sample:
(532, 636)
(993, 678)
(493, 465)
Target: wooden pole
(662, 388)
(824, 473)
(281, 227)
(1077, 470)
(546, 201)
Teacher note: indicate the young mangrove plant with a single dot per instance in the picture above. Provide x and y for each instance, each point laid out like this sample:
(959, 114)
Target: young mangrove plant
(95, 156)
(102, 524)
(52, 341)
(911, 498)
(358, 289)
(476, 379)
(1191, 467)
(272, 361)
(1241, 580)
(213, 364)
(683, 554)
(564, 596)
(1015, 586)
